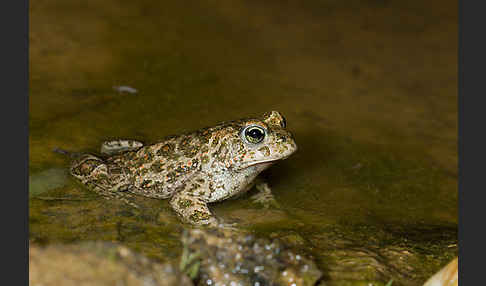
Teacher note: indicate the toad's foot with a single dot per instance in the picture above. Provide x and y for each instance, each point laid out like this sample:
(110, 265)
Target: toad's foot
(264, 195)
(220, 223)
(192, 209)
(119, 146)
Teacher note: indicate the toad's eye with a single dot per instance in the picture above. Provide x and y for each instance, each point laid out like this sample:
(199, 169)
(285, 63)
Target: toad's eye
(254, 134)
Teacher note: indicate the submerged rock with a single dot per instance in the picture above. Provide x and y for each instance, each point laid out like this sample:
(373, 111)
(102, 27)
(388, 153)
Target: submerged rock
(236, 258)
(98, 263)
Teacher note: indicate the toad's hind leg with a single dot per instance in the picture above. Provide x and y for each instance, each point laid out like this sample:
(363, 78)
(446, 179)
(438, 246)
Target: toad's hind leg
(192, 209)
(88, 168)
(92, 172)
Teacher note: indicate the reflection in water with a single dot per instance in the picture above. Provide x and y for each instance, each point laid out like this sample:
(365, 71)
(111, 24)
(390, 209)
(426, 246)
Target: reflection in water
(47, 180)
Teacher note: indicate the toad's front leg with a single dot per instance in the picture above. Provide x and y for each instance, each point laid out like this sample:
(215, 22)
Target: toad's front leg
(264, 195)
(192, 208)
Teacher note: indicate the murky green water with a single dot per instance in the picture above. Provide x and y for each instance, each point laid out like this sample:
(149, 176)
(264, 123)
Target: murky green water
(368, 89)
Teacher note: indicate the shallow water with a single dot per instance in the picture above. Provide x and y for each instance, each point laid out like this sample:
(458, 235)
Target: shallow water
(368, 89)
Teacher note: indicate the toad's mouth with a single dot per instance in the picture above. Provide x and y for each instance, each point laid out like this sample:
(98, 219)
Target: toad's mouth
(268, 162)
(264, 164)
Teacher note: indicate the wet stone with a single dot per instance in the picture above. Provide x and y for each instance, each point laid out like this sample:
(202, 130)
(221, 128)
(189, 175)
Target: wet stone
(99, 263)
(239, 258)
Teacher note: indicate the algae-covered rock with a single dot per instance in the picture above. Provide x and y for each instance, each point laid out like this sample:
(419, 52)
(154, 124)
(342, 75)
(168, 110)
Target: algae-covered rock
(362, 255)
(98, 263)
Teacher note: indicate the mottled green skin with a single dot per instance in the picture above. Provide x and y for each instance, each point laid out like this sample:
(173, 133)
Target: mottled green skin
(193, 169)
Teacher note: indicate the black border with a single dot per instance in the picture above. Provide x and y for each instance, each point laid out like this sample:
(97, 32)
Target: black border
(14, 215)
(472, 157)
(471, 80)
